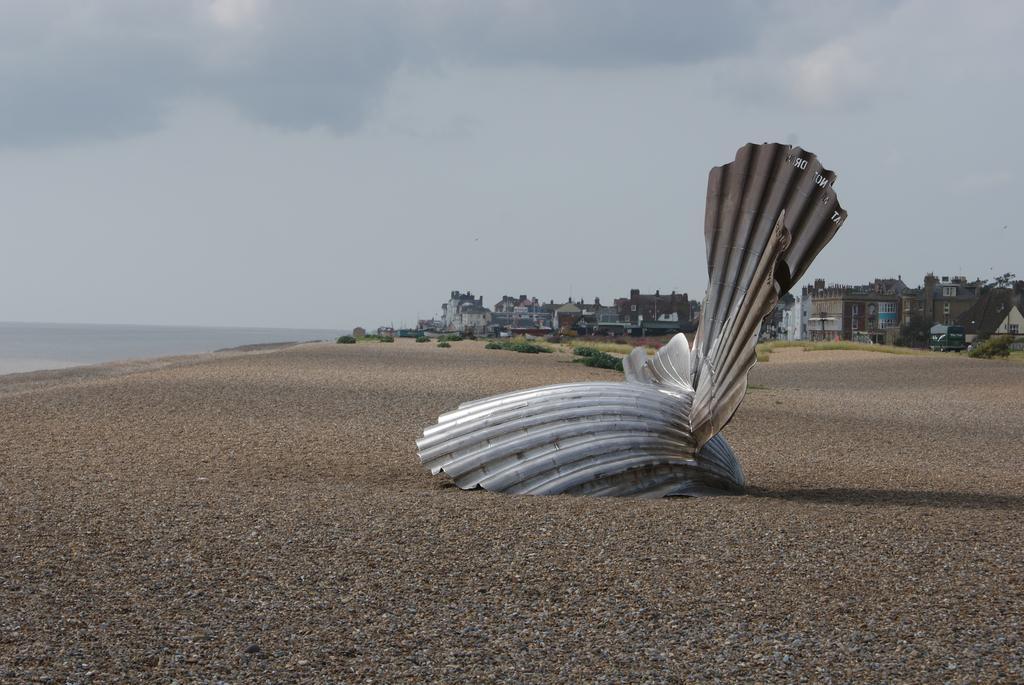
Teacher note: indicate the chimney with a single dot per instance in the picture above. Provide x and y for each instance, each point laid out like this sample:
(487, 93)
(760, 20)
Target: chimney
(930, 282)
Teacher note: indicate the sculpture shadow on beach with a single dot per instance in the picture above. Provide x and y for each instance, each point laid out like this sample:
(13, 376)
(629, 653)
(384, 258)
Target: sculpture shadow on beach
(895, 498)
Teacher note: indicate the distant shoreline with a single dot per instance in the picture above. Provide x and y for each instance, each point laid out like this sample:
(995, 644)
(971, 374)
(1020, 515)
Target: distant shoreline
(260, 347)
(17, 381)
(28, 347)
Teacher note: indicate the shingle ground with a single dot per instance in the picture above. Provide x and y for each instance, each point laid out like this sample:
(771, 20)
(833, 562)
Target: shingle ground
(263, 518)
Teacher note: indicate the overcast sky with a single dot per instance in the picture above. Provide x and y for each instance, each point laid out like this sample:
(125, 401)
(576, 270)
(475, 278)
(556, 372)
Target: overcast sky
(331, 164)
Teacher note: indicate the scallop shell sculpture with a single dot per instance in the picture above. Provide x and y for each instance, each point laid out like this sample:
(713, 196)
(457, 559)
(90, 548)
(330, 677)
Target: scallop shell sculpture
(769, 213)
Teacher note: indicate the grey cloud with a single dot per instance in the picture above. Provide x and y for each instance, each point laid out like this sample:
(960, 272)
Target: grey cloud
(609, 34)
(104, 69)
(939, 45)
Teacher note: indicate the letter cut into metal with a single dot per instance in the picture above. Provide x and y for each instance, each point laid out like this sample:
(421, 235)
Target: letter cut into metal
(768, 215)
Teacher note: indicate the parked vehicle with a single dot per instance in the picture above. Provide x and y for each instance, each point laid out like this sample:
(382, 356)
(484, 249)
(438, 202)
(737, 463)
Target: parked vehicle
(947, 338)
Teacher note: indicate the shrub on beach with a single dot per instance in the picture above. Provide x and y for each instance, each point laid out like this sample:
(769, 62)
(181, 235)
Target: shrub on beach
(597, 359)
(422, 338)
(450, 337)
(996, 346)
(444, 343)
(346, 340)
(520, 345)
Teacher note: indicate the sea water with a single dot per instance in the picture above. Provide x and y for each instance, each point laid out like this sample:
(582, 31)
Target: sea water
(34, 346)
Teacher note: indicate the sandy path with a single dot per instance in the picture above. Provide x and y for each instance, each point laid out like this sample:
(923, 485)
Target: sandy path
(262, 517)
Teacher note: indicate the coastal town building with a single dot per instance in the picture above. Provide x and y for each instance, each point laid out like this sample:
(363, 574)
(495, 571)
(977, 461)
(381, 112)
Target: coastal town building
(523, 314)
(778, 325)
(873, 312)
(464, 313)
(567, 315)
(800, 314)
(358, 332)
(638, 307)
(637, 315)
(864, 313)
(940, 300)
(996, 312)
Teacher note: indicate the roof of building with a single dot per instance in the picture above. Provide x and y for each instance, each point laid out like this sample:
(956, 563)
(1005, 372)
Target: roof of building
(894, 286)
(985, 315)
(964, 291)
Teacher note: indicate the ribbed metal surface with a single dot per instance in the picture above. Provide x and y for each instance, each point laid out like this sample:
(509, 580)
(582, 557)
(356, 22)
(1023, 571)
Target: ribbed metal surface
(573, 438)
(769, 213)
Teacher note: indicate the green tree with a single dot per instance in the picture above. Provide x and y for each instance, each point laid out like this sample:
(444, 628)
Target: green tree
(915, 331)
(1005, 281)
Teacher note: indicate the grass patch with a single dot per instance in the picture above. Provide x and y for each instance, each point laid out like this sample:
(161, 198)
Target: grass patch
(611, 347)
(422, 339)
(996, 346)
(765, 349)
(444, 343)
(450, 338)
(518, 345)
(591, 356)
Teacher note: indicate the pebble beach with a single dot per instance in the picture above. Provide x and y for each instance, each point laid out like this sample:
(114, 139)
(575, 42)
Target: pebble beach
(262, 517)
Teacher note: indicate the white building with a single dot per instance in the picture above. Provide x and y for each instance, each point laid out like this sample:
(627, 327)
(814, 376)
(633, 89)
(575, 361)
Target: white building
(464, 313)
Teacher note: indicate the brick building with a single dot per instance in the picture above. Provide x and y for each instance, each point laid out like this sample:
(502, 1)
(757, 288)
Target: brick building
(940, 300)
(865, 313)
(639, 307)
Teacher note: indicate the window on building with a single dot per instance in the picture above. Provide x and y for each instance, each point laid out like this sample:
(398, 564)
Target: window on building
(887, 307)
(1013, 328)
(949, 291)
(854, 310)
(945, 308)
(632, 307)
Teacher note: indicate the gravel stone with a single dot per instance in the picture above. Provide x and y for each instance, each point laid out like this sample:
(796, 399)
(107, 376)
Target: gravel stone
(160, 519)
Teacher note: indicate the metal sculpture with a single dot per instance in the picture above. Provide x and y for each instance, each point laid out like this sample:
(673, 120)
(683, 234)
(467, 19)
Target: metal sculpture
(769, 212)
